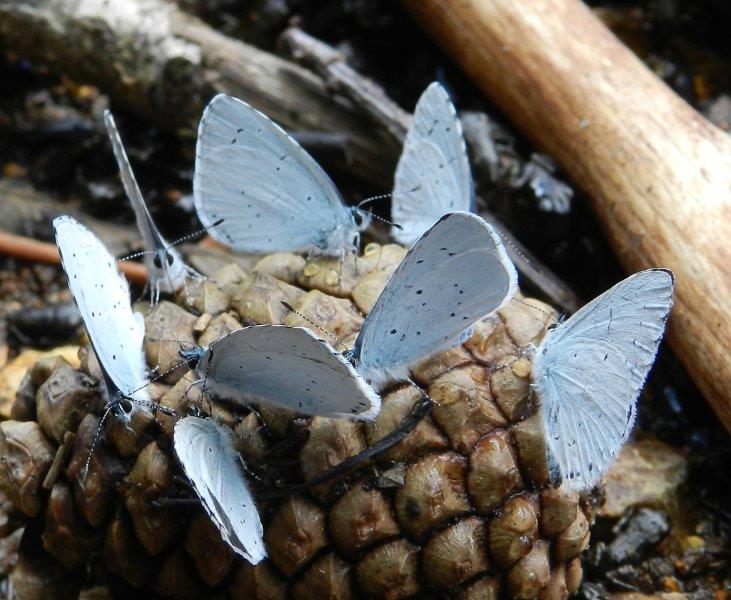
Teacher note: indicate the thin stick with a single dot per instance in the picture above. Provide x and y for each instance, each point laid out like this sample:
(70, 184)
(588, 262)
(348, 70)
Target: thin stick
(24, 248)
(407, 425)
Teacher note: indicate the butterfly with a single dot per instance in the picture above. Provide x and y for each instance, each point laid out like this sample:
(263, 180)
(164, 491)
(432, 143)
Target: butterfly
(101, 294)
(285, 366)
(456, 273)
(588, 372)
(206, 452)
(165, 266)
(433, 173)
(269, 191)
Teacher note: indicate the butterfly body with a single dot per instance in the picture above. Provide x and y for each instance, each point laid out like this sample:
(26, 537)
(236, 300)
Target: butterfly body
(285, 366)
(456, 273)
(206, 451)
(101, 294)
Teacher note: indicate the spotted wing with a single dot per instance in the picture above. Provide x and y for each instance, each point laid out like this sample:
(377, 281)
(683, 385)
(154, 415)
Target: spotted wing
(102, 296)
(167, 271)
(270, 192)
(456, 273)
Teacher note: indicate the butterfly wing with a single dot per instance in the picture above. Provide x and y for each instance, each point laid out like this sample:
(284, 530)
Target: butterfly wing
(433, 174)
(288, 367)
(588, 373)
(209, 460)
(102, 296)
(456, 273)
(270, 192)
(167, 271)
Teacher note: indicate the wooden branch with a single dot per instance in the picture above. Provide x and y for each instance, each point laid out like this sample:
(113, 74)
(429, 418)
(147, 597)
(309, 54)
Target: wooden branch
(28, 249)
(342, 78)
(157, 61)
(658, 173)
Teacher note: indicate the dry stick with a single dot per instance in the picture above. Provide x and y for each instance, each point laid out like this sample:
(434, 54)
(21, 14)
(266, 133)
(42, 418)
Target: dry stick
(331, 66)
(154, 59)
(658, 173)
(533, 269)
(28, 249)
(27, 211)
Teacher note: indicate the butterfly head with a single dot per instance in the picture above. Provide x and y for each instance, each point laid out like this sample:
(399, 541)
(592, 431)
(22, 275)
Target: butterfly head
(163, 259)
(167, 269)
(361, 218)
(346, 235)
(192, 356)
(125, 405)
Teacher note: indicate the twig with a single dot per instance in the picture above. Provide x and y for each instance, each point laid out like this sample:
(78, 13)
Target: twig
(24, 248)
(27, 211)
(534, 270)
(340, 77)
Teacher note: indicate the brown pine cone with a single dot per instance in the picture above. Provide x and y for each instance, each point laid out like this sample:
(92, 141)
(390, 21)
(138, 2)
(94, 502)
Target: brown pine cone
(462, 507)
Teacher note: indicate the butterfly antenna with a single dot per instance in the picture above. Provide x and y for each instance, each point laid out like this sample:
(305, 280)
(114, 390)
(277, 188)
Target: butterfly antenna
(135, 255)
(362, 203)
(195, 234)
(545, 312)
(500, 367)
(407, 425)
(370, 199)
(161, 375)
(181, 342)
(384, 220)
(95, 440)
(155, 405)
(290, 308)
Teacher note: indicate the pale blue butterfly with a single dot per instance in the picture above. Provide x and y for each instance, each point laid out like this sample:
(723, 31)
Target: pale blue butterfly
(433, 173)
(589, 370)
(270, 193)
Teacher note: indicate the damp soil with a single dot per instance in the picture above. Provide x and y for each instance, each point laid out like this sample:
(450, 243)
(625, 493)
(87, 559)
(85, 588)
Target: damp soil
(50, 136)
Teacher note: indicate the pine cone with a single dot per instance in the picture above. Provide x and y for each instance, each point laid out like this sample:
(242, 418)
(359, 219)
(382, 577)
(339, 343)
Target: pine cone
(461, 507)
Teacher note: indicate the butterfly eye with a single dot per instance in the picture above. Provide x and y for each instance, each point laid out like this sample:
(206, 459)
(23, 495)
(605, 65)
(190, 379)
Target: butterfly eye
(169, 257)
(157, 262)
(126, 406)
(357, 218)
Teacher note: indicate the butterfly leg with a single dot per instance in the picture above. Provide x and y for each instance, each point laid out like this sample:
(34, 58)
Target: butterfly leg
(340, 271)
(185, 503)
(154, 293)
(145, 289)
